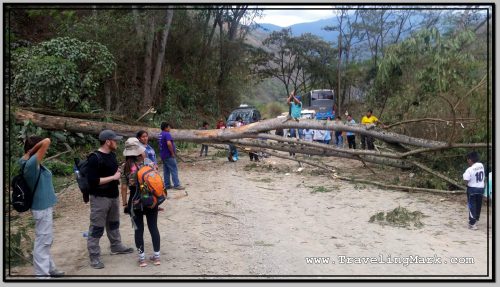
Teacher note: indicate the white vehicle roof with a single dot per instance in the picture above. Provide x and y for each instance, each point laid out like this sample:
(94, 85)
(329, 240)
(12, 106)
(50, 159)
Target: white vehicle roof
(308, 112)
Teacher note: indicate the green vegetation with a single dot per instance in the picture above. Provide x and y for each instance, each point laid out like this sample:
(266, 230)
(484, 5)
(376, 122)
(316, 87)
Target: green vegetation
(399, 217)
(61, 73)
(321, 189)
(17, 249)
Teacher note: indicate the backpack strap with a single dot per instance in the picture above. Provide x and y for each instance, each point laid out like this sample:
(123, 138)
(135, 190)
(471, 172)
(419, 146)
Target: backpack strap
(146, 173)
(99, 157)
(38, 178)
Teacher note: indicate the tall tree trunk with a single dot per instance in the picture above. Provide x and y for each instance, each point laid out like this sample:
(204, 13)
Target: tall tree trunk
(339, 96)
(107, 95)
(208, 42)
(161, 53)
(148, 59)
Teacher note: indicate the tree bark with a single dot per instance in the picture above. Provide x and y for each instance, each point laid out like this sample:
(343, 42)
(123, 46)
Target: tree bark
(320, 152)
(251, 136)
(161, 54)
(94, 127)
(148, 60)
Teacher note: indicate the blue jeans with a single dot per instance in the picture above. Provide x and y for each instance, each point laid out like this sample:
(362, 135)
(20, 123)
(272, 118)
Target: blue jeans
(339, 141)
(170, 167)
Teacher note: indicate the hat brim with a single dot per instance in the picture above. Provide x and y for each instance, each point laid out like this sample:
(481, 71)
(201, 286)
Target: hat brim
(117, 138)
(134, 152)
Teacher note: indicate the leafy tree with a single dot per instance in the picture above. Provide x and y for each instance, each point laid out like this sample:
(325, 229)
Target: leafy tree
(428, 75)
(298, 62)
(61, 73)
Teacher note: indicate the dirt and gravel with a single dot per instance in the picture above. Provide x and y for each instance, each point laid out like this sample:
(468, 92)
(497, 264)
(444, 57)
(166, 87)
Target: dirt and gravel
(268, 218)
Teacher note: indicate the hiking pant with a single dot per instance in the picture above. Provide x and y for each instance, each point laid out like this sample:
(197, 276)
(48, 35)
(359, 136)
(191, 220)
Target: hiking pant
(474, 202)
(253, 156)
(170, 167)
(152, 220)
(367, 141)
(104, 214)
(42, 259)
(205, 148)
(351, 140)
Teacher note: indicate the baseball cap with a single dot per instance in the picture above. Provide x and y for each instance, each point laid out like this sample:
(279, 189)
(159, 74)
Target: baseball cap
(133, 147)
(109, 135)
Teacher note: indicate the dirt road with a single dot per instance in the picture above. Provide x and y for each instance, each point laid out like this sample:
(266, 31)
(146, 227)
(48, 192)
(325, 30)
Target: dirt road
(268, 219)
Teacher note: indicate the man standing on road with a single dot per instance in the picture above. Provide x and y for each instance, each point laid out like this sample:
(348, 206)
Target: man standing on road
(39, 179)
(369, 119)
(351, 137)
(295, 106)
(167, 152)
(103, 178)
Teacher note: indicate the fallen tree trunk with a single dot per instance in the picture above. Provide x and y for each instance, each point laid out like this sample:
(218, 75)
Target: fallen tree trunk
(323, 146)
(95, 116)
(333, 175)
(200, 136)
(254, 131)
(399, 187)
(321, 152)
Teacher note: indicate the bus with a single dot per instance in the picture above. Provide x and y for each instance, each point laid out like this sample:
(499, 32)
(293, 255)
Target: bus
(322, 101)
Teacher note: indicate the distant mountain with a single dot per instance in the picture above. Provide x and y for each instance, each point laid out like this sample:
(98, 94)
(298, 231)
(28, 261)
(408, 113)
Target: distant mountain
(317, 28)
(269, 28)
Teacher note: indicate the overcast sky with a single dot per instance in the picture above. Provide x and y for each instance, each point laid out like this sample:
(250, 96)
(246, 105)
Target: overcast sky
(285, 18)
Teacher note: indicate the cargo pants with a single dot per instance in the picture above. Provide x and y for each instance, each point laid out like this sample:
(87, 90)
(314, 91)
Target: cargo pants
(104, 214)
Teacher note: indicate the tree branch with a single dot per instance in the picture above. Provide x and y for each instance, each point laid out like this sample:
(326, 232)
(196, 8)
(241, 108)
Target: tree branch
(429, 120)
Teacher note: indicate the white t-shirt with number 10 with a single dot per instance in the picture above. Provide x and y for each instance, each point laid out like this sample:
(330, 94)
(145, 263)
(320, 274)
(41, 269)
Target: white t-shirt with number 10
(474, 175)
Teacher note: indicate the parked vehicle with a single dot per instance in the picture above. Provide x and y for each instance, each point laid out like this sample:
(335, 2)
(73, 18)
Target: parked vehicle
(322, 101)
(247, 113)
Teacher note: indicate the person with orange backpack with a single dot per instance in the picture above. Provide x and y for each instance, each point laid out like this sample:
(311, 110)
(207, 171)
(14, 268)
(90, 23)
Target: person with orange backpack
(146, 193)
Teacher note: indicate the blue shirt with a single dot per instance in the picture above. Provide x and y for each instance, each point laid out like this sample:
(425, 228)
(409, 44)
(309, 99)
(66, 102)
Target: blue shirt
(150, 153)
(350, 133)
(45, 195)
(164, 151)
(295, 110)
(328, 136)
(308, 135)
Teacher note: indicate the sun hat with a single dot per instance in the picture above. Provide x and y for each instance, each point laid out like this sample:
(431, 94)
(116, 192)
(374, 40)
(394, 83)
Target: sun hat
(133, 147)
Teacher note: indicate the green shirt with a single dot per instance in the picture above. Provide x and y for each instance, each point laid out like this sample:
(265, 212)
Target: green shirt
(296, 110)
(45, 195)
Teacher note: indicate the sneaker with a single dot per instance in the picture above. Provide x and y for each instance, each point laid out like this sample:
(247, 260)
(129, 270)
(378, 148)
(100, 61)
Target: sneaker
(472, 226)
(96, 263)
(56, 273)
(142, 263)
(123, 250)
(180, 187)
(155, 259)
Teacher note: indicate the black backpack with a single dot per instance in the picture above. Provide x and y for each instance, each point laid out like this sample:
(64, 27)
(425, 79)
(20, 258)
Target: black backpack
(82, 166)
(22, 195)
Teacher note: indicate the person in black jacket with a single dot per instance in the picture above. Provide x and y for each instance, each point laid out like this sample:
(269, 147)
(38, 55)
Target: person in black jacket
(104, 176)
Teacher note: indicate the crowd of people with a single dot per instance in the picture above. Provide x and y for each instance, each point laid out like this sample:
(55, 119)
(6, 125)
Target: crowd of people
(106, 174)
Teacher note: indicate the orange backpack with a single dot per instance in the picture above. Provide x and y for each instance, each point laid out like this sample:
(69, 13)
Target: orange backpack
(151, 188)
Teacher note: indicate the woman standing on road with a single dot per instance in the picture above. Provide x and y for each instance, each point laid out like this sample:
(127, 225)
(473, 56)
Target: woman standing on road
(134, 160)
(143, 138)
